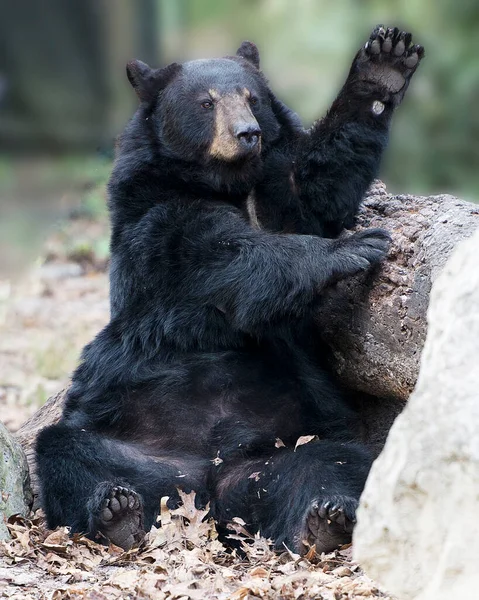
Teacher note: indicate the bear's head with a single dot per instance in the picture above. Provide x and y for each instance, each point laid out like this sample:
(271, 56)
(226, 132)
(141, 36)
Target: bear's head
(212, 109)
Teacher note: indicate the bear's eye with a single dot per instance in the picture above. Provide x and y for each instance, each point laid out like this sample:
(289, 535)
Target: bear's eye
(253, 101)
(207, 104)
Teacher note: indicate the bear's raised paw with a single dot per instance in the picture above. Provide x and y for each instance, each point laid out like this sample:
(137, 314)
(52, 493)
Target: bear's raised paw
(389, 59)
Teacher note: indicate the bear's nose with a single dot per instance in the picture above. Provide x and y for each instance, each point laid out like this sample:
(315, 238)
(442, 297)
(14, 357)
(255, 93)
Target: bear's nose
(248, 134)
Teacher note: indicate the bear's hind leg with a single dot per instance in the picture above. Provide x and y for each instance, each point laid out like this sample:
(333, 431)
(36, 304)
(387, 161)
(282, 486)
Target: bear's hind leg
(297, 498)
(87, 483)
(106, 488)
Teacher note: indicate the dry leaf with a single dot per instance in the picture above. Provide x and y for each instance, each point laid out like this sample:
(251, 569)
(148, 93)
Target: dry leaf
(59, 537)
(259, 572)
(342, 571)
(240, 594)
(58, 541)
(165, 515)
(305, 439)
(311, 554)
(124, 579)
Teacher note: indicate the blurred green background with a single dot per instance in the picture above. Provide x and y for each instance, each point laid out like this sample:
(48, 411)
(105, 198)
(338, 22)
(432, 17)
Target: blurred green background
(64, 95)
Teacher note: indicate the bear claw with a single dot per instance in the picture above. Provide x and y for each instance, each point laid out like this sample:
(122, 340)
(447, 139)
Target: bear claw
(329, 524)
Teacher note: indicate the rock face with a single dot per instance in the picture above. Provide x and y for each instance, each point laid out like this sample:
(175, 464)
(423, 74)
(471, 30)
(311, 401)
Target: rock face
(417, 522)
(15, 492)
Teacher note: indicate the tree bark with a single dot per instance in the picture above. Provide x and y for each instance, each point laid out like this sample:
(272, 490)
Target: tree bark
(375, 324)
(48, 414)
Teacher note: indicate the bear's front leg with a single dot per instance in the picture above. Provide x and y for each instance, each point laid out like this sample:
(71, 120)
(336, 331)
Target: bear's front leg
(340, 157)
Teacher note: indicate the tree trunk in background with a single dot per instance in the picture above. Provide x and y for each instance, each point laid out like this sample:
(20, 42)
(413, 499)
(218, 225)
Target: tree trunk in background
(62, 71)
(54, 68)
(375, 324)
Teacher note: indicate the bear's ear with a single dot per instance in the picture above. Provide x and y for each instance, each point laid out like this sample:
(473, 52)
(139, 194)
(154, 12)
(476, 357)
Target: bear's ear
(147, 82)
(249, 52)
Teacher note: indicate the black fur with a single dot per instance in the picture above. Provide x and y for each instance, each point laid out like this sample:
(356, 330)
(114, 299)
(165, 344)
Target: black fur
(211, 353)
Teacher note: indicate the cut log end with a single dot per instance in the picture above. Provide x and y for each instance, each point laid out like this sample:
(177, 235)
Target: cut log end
(48, 414)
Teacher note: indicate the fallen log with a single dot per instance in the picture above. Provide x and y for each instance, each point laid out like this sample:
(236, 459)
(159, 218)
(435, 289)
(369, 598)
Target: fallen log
(48, 414)
(374, 324)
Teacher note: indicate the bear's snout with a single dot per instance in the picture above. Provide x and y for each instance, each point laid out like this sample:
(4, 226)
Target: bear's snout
(236, 130)
(248, 134)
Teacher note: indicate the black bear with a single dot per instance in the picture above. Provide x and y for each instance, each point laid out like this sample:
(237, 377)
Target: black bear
(226, 217)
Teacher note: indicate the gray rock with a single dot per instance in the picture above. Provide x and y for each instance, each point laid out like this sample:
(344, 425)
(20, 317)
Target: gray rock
(15, 491)
(417, 529)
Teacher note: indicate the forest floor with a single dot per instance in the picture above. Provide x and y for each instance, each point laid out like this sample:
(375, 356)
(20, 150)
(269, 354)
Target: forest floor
(181, 560)
(46, 316)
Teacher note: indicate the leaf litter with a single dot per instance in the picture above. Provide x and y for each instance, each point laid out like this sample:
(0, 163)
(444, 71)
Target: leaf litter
(182, 559)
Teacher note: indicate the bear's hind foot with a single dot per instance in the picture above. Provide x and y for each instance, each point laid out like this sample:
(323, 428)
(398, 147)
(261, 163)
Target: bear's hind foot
(328, 524)
(117, 516)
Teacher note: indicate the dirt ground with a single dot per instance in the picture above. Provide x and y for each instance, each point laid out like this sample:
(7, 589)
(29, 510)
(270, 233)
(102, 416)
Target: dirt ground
(46, 317)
